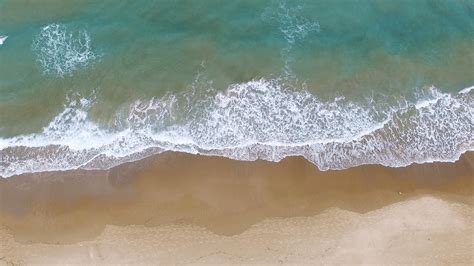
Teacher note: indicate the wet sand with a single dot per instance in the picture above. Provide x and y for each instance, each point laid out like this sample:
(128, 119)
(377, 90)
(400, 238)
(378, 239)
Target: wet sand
(182, 208)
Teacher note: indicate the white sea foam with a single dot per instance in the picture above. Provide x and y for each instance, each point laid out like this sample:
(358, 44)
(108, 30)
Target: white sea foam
(60, 51)
(3, 38)
(292, 24)
(467, 90)
(259, 119)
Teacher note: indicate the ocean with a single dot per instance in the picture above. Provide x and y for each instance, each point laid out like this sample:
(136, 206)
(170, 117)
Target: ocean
(95, 84)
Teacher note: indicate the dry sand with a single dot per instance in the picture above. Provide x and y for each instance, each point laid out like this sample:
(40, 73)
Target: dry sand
(178, 208)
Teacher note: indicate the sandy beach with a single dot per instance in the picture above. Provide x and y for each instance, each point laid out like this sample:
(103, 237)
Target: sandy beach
(177, 208)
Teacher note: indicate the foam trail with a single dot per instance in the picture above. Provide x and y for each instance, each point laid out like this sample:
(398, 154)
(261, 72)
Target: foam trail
(292, 24)
(259, 119)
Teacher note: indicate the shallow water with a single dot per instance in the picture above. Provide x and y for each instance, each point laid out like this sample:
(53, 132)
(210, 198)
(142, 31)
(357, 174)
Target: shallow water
(93, 84)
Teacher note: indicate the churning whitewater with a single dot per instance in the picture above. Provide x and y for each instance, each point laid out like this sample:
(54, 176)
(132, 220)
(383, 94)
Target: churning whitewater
(259, 119)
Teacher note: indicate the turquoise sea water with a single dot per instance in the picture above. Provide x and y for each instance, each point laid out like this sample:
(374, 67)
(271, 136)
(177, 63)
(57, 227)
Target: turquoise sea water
(91, 84)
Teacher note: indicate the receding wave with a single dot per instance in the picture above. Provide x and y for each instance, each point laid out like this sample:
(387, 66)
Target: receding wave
(259, 119)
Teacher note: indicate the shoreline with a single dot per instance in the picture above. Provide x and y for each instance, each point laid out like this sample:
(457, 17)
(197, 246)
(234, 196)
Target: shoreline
(467, 153)
(183, 195)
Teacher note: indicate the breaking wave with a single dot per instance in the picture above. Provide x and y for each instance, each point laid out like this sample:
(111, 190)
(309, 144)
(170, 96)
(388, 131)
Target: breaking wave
(259, 119)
